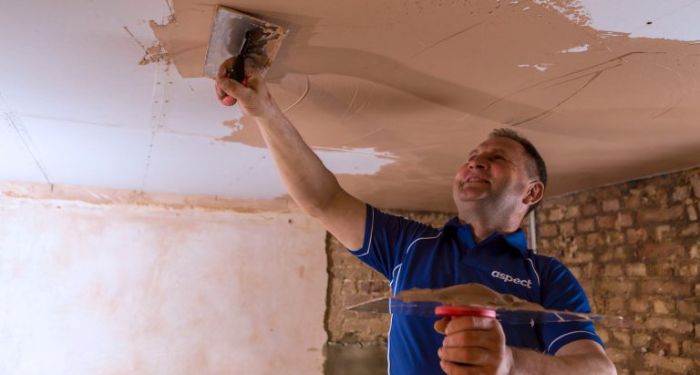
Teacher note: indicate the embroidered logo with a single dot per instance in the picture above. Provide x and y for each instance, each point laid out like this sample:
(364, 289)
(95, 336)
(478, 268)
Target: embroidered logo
(510, 279)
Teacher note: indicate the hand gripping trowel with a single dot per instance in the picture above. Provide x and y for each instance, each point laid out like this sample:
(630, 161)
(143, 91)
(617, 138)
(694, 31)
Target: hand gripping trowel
(478, 301)
(245, 37)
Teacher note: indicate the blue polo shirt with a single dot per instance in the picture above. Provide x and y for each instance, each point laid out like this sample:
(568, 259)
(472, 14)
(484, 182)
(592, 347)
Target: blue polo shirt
(415, 255)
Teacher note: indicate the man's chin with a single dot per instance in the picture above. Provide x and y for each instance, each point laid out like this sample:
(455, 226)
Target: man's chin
(467, 197)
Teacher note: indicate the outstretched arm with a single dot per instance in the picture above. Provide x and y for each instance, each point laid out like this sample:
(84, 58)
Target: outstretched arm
(312, 186)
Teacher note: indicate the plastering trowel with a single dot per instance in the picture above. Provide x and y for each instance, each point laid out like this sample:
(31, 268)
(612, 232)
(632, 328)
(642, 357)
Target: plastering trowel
(476, 300)
(504, 315)
(243, 36)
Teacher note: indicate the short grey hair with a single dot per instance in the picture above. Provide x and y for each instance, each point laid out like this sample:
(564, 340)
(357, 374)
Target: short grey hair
(530, 150)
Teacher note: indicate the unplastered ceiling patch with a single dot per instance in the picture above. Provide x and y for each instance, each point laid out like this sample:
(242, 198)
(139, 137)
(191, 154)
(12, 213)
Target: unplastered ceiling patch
(354, 161)
(676, 20)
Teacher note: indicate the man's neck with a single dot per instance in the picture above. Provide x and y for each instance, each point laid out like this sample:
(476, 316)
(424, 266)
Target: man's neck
(483, 225)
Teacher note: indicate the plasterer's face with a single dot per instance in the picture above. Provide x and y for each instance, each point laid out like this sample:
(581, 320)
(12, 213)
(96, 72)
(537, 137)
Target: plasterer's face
(495, 171)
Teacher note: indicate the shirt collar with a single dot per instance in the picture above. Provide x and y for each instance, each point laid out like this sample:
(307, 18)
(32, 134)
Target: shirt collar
(465, 234)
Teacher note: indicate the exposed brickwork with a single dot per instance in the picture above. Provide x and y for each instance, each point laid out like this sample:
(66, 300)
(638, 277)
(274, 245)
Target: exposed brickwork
(635, 247)
(635, 251)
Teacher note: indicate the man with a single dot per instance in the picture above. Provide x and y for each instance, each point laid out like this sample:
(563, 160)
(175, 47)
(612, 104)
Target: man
(503, 178)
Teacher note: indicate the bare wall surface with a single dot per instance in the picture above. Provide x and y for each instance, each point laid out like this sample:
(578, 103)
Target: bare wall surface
(119, 288)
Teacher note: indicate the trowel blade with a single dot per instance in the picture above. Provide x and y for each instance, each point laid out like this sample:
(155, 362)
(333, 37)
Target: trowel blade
(506, 316)
(228, 36)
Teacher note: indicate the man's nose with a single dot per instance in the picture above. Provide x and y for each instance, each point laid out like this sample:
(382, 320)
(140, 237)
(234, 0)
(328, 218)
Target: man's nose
(478, 162)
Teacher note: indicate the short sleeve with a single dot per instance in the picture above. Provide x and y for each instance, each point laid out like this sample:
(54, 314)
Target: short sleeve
(561, 291)
(386, 239)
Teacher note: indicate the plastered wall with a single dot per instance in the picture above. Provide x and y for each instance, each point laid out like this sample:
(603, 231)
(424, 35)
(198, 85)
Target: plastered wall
(138, 289)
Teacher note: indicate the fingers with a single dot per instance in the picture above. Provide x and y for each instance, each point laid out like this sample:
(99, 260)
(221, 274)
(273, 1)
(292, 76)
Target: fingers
(470, 323)
(228, 91)
(230, 87)
(224, 98)
(473, 357)
(471, 345)
(226, 67)
(440, 325)
(456, 369)
(472, 339)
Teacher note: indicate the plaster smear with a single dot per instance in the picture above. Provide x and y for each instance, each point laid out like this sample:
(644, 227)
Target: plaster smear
(360, 75)
(470, 294)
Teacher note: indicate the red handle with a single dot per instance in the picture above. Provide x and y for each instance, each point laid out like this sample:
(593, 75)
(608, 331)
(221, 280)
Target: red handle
(455, 311)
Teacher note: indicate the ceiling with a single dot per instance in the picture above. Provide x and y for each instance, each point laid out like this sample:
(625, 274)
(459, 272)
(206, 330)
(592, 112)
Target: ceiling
(391, 94)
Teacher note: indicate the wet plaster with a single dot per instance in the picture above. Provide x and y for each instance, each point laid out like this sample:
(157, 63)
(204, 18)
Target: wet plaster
(470, 294)
(428, 81)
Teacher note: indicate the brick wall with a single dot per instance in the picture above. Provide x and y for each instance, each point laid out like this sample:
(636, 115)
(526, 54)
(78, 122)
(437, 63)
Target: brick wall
(635, 247)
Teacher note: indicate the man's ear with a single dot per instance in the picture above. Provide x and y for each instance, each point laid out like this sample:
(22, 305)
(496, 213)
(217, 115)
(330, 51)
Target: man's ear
(535, 193)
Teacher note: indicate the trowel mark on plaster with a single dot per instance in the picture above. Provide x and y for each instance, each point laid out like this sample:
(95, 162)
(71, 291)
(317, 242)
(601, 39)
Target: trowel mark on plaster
(594, 71)
(560, 103)
(680, 98)
(355, 92)
(303, 95)
(445, 39)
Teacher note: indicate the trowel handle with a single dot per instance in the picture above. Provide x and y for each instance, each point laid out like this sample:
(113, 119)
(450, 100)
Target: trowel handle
(458, 311)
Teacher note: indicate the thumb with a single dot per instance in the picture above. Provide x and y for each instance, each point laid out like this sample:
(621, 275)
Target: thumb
(441, 324)
(231, 88)
(253, 81)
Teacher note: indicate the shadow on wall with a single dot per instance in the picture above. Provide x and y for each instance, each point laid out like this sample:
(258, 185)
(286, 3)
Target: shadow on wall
(355, 359)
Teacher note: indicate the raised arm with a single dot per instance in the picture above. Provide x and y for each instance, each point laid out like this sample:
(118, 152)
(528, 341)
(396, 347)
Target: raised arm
(312, 186)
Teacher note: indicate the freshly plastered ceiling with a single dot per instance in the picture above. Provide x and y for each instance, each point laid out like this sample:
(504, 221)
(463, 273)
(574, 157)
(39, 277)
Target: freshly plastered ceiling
(391, 94)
